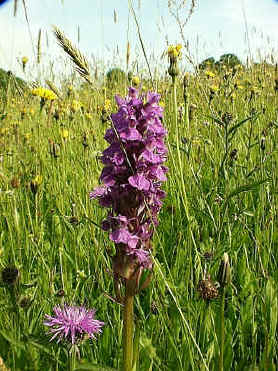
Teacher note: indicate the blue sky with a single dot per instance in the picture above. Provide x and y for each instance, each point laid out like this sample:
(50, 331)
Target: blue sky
(216, 27)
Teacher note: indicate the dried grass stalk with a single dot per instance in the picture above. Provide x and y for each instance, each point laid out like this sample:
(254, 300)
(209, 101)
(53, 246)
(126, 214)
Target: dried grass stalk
(39, 46)
(15, 7)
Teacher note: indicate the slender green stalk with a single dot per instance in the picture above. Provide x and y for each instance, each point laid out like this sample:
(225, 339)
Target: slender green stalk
(128, 323)
(175, 104)
(186, 103)
(72, 353)
(222, 331)
(136, 348)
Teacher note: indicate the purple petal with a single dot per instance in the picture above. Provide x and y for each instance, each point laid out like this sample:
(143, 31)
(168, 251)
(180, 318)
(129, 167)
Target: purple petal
(139, 181)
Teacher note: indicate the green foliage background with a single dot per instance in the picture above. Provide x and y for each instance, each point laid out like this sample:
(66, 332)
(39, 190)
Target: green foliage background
(216, 202)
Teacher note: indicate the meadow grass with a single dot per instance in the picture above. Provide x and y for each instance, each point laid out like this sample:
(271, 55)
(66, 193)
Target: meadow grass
(221, 198)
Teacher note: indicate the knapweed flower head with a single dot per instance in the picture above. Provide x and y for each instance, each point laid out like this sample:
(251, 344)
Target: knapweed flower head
(73, 324)
(132, 176)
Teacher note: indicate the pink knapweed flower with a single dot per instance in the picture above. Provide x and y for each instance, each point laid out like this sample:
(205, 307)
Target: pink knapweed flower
(73, 323)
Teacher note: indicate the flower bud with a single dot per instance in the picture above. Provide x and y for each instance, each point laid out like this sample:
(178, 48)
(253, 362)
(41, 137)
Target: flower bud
(224, 273)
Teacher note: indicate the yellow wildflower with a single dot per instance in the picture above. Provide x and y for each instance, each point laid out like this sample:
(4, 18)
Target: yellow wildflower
(144, 88)
(174, 51)
(238, 86)
(255, 90)
(3, 131)
(135, 80)
(107, 104)
(37, 180)
(209, 74)
(233, 96)
(238, 67)
(214, 88)
(27, 136)
(44, 93)
(75, 105)
(88, 116)
(64, 133)
(24, 60)
(35, 183)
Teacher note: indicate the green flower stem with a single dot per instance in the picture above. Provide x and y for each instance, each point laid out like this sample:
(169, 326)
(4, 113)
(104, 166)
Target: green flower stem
(72, 358)
(128, 327)
(180, 162)
(186, 104)
(136, 347)
(222, 331)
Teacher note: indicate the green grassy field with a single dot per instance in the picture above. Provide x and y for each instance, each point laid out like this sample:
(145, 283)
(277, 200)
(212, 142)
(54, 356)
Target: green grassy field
(221, 198)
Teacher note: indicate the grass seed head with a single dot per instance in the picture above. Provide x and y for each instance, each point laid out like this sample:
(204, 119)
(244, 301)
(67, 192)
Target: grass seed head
(10, 275)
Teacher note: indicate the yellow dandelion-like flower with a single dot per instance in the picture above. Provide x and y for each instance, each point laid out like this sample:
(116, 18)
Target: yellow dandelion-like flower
(24, 60)
(238, 67)
(162, 104)
(88, 116)
(174, 51)
(4, 131)
(75, 106)
(214, 88)
(107, 104)
(37, 180)
(233, 96)
(64, 133)
(135, 80)
(255, 90)
(238, 86)
(209, 74)
(144, 88)
(44, 93)
(27, 136)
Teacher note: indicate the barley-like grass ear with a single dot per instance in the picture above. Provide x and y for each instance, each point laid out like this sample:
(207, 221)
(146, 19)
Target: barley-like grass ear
(54, 88)
(81, 63)
(39, 47)
(15, 7)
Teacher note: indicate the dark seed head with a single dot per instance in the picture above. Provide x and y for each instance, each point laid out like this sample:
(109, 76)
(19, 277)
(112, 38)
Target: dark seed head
(73, 220)
(154, 308)
(208, 255)
(10, 275)
(227, 118)
(24, 302)
(60, 293)
(15, 182)
(207, 289)
(233, 154)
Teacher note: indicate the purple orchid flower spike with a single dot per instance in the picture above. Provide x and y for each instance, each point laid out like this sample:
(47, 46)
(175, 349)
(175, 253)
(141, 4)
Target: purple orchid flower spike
(132, 177)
